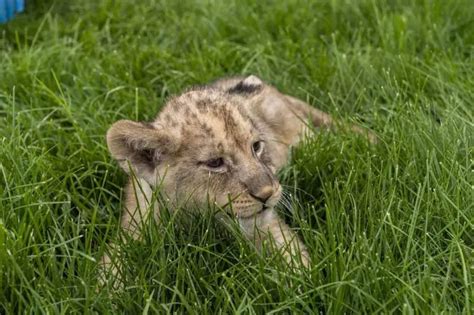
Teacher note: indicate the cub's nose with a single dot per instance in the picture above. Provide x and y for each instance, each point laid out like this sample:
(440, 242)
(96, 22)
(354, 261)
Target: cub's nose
(263, 194)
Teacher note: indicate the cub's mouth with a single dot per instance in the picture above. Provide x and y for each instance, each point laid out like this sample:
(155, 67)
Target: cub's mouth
(263, 209)
(250, 211)
(244, 205)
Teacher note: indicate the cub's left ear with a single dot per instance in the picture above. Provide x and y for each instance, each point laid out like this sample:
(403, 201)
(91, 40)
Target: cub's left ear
(252, 80)
(249, 85)
(139, 145)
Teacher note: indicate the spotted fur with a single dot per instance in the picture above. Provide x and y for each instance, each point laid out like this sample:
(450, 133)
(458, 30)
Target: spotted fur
(207, 126)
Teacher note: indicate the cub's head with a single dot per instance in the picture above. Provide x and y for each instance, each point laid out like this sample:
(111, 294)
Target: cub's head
(202, 148)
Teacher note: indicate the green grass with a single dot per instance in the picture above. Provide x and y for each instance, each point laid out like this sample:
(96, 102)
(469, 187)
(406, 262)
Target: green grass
(390, 228)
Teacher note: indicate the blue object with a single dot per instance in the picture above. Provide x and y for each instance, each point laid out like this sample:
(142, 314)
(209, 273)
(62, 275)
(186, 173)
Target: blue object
(8, 8)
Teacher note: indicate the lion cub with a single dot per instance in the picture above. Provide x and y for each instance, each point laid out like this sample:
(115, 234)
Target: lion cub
(222, 143)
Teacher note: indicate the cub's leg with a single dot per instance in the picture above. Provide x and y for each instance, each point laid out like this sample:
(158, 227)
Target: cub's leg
(321, 119)
(138, 204)
(267, 226)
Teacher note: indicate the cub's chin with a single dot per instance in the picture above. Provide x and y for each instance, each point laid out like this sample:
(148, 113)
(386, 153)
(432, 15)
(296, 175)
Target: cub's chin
(250, 211)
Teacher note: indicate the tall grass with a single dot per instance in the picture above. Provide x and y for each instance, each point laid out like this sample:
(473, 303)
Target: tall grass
(389, 227)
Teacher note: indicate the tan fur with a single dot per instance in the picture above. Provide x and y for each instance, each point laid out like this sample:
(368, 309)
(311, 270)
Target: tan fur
(223, 120)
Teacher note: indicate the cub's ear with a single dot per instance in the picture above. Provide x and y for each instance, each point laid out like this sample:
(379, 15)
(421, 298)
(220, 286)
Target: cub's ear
(140, 146)
(252, 80)
(247, 86)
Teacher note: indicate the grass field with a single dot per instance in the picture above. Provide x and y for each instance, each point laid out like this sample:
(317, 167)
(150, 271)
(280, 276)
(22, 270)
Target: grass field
(390, 227)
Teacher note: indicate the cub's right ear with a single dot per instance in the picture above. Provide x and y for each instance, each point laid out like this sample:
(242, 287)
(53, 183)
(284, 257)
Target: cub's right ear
(140, 146)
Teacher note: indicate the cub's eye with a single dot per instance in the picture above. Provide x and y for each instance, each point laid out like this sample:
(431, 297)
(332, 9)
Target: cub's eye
(215, 163)
(257, 147)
